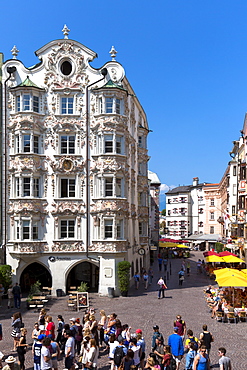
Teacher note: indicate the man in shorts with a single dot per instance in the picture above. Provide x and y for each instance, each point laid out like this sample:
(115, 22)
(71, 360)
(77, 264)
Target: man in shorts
(224, 362)
(69, 350)
(176, 343)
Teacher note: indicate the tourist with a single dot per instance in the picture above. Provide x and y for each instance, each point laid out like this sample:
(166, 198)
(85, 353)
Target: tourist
(55, 352)
(60, 325)
(10, 297)
(150, 275)
(35, 332)
(181, 277)
(73, 327)
(159, 351)
(128, 360)
(78, 336)
(188, 267)
(190, 356)
(36, 350)
(176, 343)
(45, 361)
(16, 332)
(181, 325)
(11, 364)
(160, 261)
(50, 327)
(84, 350)
(141, 342)
(224, 362)
(207, 338)
(137, 280)
(69, 350)
(119, 352)
(145, 279)
(156, 335)
(17, 295)
(199, 266)
(137, 351)
(113, 343)
(42, 315)
(167, 358)
(21, 348)
(151, 364)
(201, 361)
(162, 287)
(102, 325)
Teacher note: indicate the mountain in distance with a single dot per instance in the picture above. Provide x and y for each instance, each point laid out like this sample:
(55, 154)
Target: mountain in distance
(163, 190)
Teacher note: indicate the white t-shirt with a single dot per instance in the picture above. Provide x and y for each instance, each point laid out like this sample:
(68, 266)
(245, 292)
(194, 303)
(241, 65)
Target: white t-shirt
(112, 346)
(70, 343)
(45, 353)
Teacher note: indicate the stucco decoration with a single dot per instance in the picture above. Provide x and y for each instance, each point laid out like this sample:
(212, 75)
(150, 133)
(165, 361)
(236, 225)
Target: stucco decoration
(33, 247)
(25, 121)
(105, 246)
(67, 164)
(110, 206)
(110, 164)
(31, 162)
(27, 207)
(68, 208)
(68, 246)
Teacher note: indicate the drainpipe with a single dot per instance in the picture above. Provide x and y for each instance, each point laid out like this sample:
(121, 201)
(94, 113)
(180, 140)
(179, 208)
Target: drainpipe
(104, 73)
(10, 71)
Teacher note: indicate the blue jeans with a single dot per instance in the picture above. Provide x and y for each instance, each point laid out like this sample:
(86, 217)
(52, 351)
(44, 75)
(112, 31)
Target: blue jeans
(17, 300)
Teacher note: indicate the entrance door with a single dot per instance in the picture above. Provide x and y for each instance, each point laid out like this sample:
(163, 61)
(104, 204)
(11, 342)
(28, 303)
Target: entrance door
(33, 273)
(86, 272)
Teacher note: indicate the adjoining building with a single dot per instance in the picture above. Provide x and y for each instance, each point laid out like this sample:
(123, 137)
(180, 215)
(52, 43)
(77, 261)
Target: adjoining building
(154, 213)
(75, 161)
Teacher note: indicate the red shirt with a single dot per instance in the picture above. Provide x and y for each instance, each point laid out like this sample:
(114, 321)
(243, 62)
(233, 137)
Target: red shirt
(180, 325)
(50, 329)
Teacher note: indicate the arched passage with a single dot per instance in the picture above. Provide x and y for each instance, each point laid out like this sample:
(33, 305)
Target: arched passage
(33, 273)
(86, 272)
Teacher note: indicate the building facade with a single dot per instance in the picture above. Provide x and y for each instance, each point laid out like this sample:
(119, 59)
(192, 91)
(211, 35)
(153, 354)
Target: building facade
(154, 204)
(75, 149)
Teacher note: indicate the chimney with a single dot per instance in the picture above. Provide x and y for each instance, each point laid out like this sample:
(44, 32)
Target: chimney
(195, 181)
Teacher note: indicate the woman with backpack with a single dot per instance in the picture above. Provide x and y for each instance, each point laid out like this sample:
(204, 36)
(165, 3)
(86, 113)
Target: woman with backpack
(190, 356)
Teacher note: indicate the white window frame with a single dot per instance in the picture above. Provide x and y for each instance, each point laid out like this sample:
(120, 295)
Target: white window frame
(115, 182)
(120, 229)
(110, 105)
(108, 222)
(28, 102)
(70, 187)
(67, 149)
(69, 223)
(34, 143)
(67, 105)
(28, 227)
(20, 185)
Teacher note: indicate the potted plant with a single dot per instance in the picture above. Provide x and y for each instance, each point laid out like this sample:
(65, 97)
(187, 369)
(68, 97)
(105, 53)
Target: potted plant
(35, 289)
(123, 272)
(83, 287)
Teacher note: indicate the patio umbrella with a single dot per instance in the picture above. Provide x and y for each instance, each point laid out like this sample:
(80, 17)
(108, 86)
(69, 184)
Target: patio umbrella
(214, 258)
(225, 272)
(232, 259)
(167, 245)
(226, 253)
(233, 280)
(182, 246)
(209, 253)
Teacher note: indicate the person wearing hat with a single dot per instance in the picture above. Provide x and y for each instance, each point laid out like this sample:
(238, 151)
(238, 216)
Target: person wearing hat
(176, 343)
(156, 334)
(11, 364)
(36, 351)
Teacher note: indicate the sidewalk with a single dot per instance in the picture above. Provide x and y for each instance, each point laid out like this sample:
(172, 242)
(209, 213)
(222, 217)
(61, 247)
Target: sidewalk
(142, 309)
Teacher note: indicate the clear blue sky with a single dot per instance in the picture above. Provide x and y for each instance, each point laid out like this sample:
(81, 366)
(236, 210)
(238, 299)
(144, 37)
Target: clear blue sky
(186, 60)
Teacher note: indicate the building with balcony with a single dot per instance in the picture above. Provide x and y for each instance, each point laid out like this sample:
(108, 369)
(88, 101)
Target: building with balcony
(75, 164)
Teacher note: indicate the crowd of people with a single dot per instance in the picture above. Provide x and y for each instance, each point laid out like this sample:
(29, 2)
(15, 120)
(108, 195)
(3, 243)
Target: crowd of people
(81, 342)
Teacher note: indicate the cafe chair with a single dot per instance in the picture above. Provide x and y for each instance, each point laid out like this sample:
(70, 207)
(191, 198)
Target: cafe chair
(242, 316)
(219, 316)
(231, 317)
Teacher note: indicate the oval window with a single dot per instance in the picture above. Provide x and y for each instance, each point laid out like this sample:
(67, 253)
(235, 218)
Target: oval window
(66, 68)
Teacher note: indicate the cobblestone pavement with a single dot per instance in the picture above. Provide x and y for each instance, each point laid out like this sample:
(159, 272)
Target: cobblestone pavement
(142, 310)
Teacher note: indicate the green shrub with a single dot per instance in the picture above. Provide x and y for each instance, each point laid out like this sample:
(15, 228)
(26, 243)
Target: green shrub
(123, 272)
(35, 289)
(83, 287)
(5, 276)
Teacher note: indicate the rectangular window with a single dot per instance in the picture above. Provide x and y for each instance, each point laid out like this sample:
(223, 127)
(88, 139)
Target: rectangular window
(119, 144)
(108, 229)
(233, 210)
(67, 229)
(212, 202)
(118, 187)
(25, 230)
(17, 186)
(36, 187)
(108, 186)
(26, 186)
(108, 144)
(211, 229)
(234, 170)
(118, 106)
(211, 216)
(100, 105)
(109, 105)
(17, 224)
(18, 103)
(140, 141)
(36, 104)
(67, 144)
(67, 188)
(36, 144)
(35, 230)
(67, 105)
(26, 102)
(27, 143)
(120, 229)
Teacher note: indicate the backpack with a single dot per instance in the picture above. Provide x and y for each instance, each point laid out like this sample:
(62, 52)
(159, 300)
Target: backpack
(173, 364)
(118, 355)
(192, 340)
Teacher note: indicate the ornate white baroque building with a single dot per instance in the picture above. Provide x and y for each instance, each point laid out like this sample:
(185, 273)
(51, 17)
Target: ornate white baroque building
(75, 166)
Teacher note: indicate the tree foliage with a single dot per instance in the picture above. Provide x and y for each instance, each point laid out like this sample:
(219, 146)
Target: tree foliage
(123, 272)
(5, 276)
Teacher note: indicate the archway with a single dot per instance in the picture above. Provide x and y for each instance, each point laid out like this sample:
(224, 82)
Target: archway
(33, 273)
(86, 272)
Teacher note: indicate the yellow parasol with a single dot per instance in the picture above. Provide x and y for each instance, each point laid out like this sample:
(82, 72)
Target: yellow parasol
(225, 272)
(182, 246)
(167, 245)
(233, 280)
(232, 259)
(214, 258)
